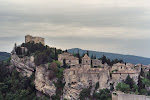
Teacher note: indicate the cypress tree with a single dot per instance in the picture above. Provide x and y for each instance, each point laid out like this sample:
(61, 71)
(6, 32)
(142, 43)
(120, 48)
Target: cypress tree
(142, 73)
(148, 76)
(78, 55)
(87, 52)
(56, 55)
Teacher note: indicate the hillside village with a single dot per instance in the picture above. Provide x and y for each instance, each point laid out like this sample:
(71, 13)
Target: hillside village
(78, 74)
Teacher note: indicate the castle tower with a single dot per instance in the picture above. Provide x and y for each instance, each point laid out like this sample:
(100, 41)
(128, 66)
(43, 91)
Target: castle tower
(28, 38)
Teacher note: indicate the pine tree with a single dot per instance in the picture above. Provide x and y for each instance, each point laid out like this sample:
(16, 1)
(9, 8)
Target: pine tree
(104, 59)
(140, 84)
(129, 81)
(87, 52)
(95, 56)
(66, 50)
(92, 57)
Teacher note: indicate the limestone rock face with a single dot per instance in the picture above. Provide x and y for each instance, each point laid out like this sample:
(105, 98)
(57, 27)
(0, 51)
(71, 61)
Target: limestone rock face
(25, 65)
(42, 81)
(79, 78)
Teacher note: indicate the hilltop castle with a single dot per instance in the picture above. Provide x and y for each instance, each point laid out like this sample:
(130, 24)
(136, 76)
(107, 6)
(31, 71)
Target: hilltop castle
(29, 38)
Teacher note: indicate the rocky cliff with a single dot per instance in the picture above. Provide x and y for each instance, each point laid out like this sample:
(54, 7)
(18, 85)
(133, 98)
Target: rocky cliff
(24, 65)
(42, 81)
(27, 67)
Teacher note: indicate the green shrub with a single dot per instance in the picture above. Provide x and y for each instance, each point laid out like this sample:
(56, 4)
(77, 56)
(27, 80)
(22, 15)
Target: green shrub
(103, 94)
(123, 87)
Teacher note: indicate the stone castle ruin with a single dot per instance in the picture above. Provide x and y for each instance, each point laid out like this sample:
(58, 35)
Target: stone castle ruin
(29, 38)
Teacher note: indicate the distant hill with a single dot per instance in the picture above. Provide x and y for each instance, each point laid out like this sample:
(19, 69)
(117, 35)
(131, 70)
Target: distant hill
(126, 58)
(4, 55)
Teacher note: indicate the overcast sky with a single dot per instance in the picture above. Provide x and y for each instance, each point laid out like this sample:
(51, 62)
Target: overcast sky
(117, 26)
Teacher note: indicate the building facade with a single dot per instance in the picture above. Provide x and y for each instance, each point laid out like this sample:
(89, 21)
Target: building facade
(69, 59)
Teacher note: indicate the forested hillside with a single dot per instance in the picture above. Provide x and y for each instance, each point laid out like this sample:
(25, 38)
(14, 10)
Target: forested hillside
(126, 58)
(4, 55)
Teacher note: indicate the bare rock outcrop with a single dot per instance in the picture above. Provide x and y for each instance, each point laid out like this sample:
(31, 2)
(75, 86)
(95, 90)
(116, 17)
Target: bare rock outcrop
(42, 81)
(24, 65)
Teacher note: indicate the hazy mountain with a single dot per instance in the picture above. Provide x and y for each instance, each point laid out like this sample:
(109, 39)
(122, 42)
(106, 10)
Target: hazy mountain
(4, 55)
(126, 58)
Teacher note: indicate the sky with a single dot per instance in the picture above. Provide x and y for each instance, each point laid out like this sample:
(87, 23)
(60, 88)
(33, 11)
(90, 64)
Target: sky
(116, 26)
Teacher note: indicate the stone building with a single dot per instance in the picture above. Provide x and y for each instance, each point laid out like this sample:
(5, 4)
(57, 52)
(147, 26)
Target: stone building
(96, 62)
(69, 58)
(119, 76)
(29, 38)
(79, 78)
(120, 72)
(122, 96)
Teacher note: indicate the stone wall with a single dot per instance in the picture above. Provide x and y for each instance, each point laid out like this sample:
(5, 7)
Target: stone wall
(70, 59)
(29, 38)
(79, 78)
(96, 62)
(122, 96)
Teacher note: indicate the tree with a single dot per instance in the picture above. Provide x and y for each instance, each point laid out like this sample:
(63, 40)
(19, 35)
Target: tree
(87, 52)
(56, 55)
(146, 82)
(92, 57)
(18, 51)
(142, 73)
(103, 94)
(66, 50)
(53, 67)
(78, 55)
(64, 64)
(104, 59)
(15, 46)
(148, 76)
(129, 81)
(140, 84)
(123, 87)
(85, 93)
(95, 56)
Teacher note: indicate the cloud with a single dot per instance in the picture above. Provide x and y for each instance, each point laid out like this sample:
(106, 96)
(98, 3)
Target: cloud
(114, 26)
